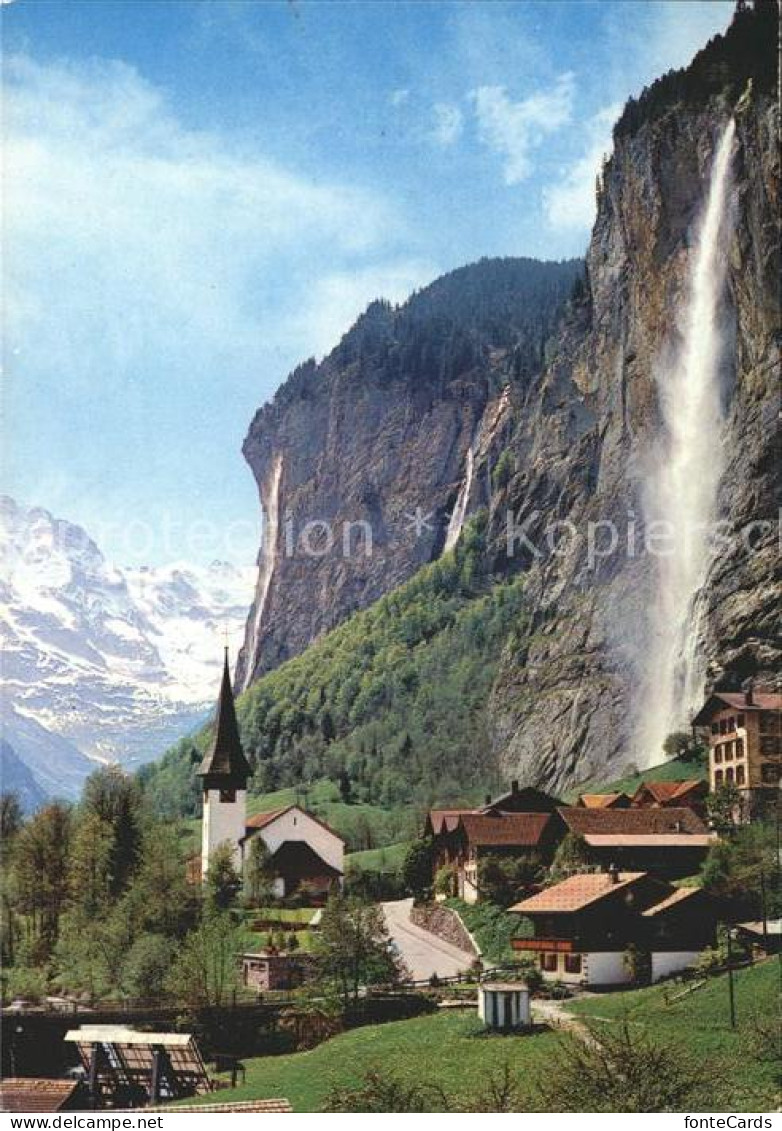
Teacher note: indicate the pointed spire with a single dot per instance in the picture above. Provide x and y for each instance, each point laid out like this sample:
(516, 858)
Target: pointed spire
(225, 758)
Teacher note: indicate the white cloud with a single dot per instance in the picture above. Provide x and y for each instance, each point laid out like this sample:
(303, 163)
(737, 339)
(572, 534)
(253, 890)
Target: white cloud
(131, 238)
(569, 204)
(399, 97)
(513, 129)
(448, 124)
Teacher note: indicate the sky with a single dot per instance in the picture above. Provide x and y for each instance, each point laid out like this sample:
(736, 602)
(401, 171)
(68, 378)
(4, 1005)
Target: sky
(199, 194)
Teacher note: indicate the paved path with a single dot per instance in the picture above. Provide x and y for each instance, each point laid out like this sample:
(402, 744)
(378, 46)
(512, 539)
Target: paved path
(422, 952)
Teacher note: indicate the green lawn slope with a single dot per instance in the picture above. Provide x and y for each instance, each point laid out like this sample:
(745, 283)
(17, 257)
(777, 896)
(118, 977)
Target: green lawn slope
(744, 1079)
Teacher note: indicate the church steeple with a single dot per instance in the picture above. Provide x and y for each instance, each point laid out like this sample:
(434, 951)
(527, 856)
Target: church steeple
(224, 764)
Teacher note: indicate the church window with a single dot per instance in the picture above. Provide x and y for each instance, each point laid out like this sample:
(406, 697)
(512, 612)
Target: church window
(228, 795)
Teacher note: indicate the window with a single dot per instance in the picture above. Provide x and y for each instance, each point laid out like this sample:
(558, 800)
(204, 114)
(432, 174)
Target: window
(228, 795)
(731, 724)
(548, 961)
(741, 776)
(718, 776)
(715, 728)
(717, 753)
(572, 963)
(770, 773)
(739, 747)
(728, 751)
(723, 726)
(769, 746)
(740, 721)
(729, 776)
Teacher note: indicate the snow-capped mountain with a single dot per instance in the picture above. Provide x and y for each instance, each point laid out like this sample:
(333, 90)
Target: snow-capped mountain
(112, 664)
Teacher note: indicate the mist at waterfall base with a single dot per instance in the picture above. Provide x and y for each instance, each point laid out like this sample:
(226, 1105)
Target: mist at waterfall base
(682, 477)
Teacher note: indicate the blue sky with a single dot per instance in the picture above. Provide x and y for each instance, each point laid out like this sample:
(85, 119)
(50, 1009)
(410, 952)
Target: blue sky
(201, 193)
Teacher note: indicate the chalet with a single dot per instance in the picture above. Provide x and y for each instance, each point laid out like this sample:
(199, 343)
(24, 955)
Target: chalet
(690, 794)
(585, 927)
(669, 842)
(744, 732)
(305, 852)
(520, 822)
(604, 801)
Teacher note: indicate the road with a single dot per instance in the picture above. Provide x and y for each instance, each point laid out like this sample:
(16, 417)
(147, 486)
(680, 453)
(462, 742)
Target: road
(423, 953)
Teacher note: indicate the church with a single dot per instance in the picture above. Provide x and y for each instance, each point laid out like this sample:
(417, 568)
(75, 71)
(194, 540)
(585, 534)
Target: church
(306, 854)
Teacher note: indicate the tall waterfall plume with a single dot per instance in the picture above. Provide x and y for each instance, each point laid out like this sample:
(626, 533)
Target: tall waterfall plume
(680, 488)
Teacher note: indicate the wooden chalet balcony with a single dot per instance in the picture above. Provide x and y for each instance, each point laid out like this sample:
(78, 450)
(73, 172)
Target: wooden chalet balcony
(563, 946)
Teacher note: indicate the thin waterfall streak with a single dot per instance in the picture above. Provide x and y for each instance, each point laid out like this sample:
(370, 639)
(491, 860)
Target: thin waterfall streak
(682, 481)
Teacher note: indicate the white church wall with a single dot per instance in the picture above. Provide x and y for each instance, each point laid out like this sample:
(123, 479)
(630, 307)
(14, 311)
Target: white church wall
(222, 821)
(295, 824)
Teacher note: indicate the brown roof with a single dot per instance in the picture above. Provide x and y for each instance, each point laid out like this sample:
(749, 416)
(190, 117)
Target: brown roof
(632, 822)
(650, 840)
(297, 860)
(761, 701)
(576, 892)
(522, 829)
(664, 791)
(261, 820)
(448, 818)
(224, 757)
(237, 1106)
(677, 896)
(33, 1094)
(600, 800)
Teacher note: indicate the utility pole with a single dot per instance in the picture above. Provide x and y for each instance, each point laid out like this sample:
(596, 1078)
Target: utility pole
(731, 988)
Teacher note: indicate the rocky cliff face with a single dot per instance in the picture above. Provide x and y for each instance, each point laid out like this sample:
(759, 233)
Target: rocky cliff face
(361, 462)
(397, 419)
(565, 707)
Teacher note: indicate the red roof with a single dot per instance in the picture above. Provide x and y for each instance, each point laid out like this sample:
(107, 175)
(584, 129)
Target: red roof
(576, 892)
(510, 829)
(719, 700)
(665, 791)
(631, 822)
(30, 1094)
(261, 820)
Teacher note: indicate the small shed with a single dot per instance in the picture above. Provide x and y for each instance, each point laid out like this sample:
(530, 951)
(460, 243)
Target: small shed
(272, 969)
(504, 1005)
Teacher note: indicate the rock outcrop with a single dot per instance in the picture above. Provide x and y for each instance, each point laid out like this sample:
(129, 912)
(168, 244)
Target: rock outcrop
(361, 461)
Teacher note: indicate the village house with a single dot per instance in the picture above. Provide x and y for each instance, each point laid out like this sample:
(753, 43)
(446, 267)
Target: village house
(587, 926)
(305, 853)
(744, 732)
(518, 823)
(669, 842)
(689, 794)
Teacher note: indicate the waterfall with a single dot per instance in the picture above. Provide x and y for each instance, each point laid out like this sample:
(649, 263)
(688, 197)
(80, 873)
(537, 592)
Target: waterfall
(271, 526)
(456, 521)
(683, 478)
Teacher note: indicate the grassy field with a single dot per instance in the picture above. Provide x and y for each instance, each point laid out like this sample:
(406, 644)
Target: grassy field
(700, 1023)
(387, 859)
(450, 1049)
(446, 1048)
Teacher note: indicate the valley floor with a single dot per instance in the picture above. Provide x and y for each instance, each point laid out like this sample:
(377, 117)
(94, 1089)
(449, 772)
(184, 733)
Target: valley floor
(450, 1050)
